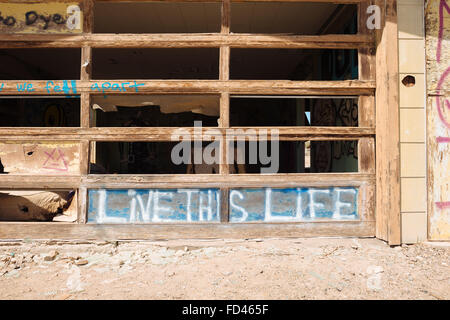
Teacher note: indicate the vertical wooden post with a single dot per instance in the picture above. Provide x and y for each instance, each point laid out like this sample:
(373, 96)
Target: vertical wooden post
(88, 16)
(387, 127)
(224, 122)
(85, 108)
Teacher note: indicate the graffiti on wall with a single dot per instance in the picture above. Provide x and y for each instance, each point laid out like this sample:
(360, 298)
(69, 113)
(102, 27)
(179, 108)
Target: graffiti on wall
(154, 205)
(40, 18)
(438, 135)
(203, 205)
(293, 204)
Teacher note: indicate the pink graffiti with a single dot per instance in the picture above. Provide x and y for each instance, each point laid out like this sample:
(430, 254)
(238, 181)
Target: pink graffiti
(443, 205)
(440, 107)
(443, 140)
(442, 5)
(55, 162)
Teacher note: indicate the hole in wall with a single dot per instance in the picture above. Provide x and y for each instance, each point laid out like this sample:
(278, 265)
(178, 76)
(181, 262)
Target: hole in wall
(409, 81)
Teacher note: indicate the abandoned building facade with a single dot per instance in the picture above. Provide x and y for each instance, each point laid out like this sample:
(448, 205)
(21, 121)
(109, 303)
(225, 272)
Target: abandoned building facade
(225, 119)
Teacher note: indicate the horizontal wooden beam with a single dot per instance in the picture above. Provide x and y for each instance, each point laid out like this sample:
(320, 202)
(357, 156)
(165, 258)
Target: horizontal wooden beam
(284, 180)
(126, 181)
(38, 182)
(166, 134)
(256, 87)
(65, 231)
(212, 40)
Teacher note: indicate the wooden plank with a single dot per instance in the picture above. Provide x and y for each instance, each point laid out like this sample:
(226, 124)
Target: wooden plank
(33, 182)
(266, 87)
(85, 110)
(40, 157)
(62, 231)
(387, 127)
(86, 63)
(88, 15)
(33, 18)
(82, 205)
(224, 205)
(225, 17)
(84, 157)
(198, 40)
(366, 155)
(13, 182)
(168, 134)
(224, 72)
(227, 181)
(224, 120)
(438, 119)
(319, 1)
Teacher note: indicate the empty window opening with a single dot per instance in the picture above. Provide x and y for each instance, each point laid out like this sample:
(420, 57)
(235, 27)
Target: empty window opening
(150, 158)
(295, 156)
(157, 17)
(290, 17)
(38, 205)
(155, 110)
(39, 111)
(293, 64)
(248, 111)
(159, 63)
(40, 64)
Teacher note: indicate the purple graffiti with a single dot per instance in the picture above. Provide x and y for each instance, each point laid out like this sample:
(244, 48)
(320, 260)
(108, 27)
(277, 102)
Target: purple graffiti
(55, 162)
(442, 5)
(440, 107)
(443, 205)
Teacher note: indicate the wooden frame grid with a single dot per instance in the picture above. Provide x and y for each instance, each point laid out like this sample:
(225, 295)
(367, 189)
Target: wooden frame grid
(364, 88)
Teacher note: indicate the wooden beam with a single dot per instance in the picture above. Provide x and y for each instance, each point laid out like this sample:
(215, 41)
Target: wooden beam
(38, 182)
(225, 17)
(261, 87)
(224, 122)
(88, 15)
(62, 231)
(213, 40)
(387, 127)
(166, 134)
(227, 181)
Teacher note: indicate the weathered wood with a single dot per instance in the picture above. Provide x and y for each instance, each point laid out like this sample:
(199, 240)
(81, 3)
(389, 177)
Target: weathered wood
(173, 134)
(224, 205)
(198, 40)
(183, 231)
(224, 120)
(85, 110)
(224, 63)
(438, 118)
(217, 180)
(366, 155)
(84, 157)
(86, 63)
(47, 18)
(88, 15)
(40, 157)
(387, 127)
(11, 182)
(266, 87)
(82, 205)
(47, 182)
(225, 17)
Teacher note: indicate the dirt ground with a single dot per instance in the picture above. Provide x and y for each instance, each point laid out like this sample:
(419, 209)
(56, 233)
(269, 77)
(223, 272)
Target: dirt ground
(324, 268)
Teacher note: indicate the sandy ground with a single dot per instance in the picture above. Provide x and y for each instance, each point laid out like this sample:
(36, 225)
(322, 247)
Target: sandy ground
(224, 269)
